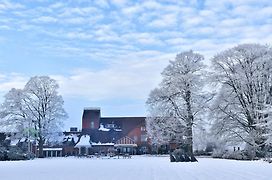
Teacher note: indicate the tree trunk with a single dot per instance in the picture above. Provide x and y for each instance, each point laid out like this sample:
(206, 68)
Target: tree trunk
(189, 140)
(189, 124)
(41, 142)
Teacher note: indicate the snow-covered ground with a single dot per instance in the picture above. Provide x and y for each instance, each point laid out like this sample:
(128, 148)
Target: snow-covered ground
(138, 167)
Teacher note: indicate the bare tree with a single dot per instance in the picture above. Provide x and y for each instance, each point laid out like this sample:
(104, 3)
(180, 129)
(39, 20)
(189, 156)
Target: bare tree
(37, 106)
(174, 107)
(243, 105)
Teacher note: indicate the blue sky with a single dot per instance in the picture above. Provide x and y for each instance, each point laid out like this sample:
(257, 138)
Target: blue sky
(109, 54)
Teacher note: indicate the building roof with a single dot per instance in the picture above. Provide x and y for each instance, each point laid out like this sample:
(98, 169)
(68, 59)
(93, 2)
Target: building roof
(71, 137)
(102, 128)
(103, 136)
(84, 141)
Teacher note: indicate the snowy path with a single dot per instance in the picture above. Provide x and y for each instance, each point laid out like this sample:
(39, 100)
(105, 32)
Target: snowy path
(137, 168)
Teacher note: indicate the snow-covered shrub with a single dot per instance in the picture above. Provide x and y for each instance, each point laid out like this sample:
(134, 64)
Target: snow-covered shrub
(15, 153)
(237, 155)
(218, 153)
(202, 153)
(210, 147)
(3, 147)
(3, 153)
(268, 157)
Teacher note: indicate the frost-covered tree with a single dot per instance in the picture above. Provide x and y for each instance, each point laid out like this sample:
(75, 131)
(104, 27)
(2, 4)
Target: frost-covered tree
(242, 109)
(174, 107)
(38, 107)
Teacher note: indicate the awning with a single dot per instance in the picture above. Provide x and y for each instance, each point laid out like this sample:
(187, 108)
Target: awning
(125, 145)
(52, 149)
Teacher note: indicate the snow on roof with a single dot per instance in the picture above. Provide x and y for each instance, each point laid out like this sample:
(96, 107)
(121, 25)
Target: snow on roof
(8, 138)
(84, 141)
(23, 139)
(75, 137)
(92, 108)
(102, 144)
(14, 142)
(102, 128)
(70, 137)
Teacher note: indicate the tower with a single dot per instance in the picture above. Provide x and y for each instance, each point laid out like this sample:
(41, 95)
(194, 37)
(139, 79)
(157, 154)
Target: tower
(90, 118)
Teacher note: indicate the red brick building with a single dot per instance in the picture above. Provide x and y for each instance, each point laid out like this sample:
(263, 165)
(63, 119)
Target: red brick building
(108, 134)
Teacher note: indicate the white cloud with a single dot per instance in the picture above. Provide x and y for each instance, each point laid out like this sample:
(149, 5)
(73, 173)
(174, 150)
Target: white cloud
(82, 11)
(166, 20)
(102, 3)
(131, 79)
(79, 35)
(142, 38)
(119, 2)
(132, 10)
(45, 19)
(152, 5)
(193, 21)
(4, 27)
(12, 80)
(6, 5)
(175, 41)
(57, 5)
(75, 21)
(233, 22)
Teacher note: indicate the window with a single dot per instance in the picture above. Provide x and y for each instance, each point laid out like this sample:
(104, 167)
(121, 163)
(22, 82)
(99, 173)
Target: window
(110, 126)
(73, 129)
(135, 138)
(124, 149)
(92, 124)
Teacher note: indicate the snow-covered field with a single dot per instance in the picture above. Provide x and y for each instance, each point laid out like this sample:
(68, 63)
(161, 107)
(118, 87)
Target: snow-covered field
(138, 167)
